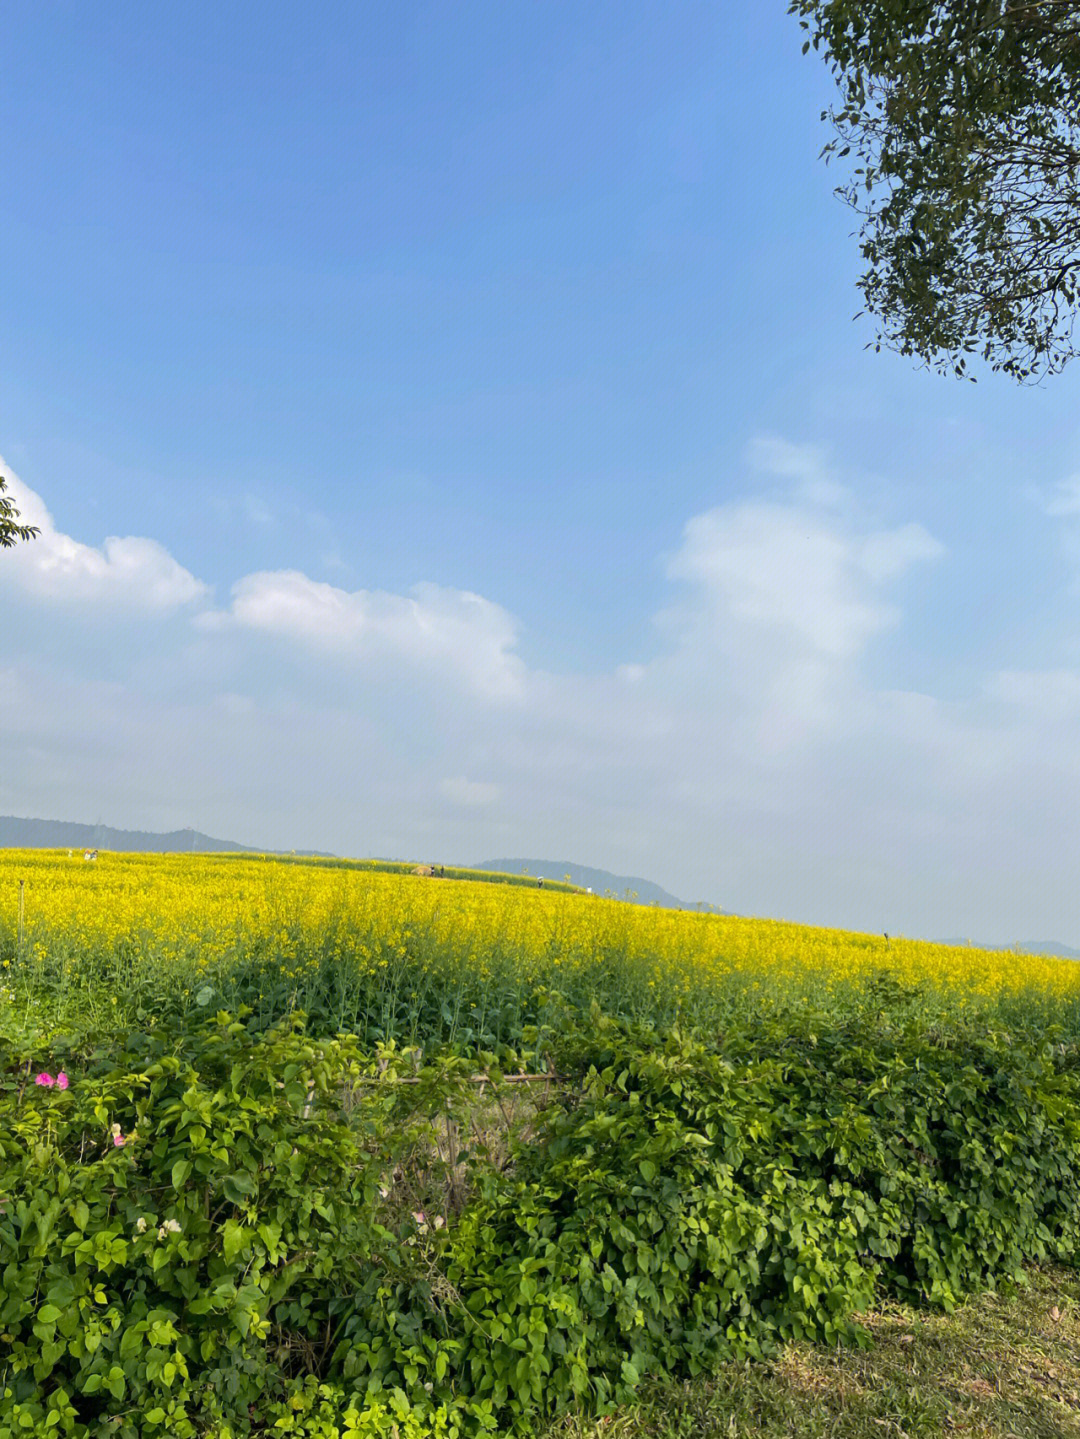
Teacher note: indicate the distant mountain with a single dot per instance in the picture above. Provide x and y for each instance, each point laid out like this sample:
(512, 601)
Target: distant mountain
(60, 834)
(1032, 946)
(1047, 946)
(600, 881)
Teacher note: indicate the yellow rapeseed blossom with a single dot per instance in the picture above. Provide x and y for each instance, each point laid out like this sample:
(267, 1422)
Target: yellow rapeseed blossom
(192, 915)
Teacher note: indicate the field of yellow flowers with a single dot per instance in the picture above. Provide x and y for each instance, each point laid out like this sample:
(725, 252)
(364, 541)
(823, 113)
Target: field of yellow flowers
(395, 954)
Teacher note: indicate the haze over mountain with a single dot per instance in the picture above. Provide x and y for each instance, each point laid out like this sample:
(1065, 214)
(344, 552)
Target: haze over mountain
(600, 881)
(18, 833)
(1029, 946)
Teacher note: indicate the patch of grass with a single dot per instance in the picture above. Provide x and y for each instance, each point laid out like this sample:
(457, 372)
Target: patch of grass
(410, 867)
(999, 1367)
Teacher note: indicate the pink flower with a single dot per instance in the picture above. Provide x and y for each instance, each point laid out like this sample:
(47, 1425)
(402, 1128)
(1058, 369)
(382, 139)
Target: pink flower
(44, 1079)
(61, 1080)
(118, 1140)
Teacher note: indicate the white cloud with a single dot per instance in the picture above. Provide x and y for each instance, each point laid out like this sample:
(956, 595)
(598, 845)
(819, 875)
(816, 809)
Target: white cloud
(804, 465)
(128, 572)
(452, 631)
(781, 569)
(886, 555)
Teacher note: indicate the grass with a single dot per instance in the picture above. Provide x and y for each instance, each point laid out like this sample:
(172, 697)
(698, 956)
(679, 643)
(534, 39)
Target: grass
(999, 1367)
(409, 866)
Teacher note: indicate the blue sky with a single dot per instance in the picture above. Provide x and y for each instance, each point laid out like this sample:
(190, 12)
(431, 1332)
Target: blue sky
(451, 439)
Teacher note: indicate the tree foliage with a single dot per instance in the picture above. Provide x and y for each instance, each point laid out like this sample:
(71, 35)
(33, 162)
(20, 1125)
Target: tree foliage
(10, 530)
(963, 119)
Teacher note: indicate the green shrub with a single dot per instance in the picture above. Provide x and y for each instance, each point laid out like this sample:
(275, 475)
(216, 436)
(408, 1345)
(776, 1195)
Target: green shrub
(182, 1233)
(689, 1201)
(256, 1257)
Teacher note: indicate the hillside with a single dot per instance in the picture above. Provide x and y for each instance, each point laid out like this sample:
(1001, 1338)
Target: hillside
(600, 881)
(61, 834)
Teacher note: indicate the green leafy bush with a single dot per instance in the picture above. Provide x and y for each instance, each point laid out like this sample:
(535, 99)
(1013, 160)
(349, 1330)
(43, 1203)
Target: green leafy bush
(183, 1231)
(691, 1200)
(298, 1236)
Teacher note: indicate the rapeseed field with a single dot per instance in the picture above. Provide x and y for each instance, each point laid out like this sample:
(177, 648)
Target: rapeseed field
(459, 961)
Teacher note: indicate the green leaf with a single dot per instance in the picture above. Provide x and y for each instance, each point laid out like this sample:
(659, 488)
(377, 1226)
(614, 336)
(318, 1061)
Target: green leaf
(234, 1237)
(238, 1187)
